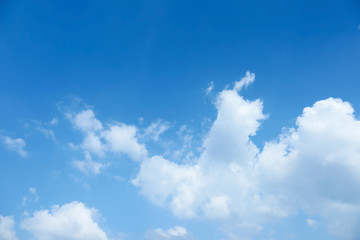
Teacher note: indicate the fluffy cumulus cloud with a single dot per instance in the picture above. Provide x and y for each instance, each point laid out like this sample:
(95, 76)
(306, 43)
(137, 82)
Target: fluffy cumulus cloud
(99, 140)
(221, 182)
(314, 167)
(122, 138)
(14, 144)
(72, 221)
(7, 228)
(317, 165)
(176, 232)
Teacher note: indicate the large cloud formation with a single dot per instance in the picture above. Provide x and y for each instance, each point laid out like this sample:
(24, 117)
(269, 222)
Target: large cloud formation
(317, 165)
(314, 167)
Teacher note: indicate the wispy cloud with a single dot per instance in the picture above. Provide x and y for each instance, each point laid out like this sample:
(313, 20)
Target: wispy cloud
(210, 88)
(14, 144)
(177, 232)
(156, 129)
(88, 165)
(32, 196)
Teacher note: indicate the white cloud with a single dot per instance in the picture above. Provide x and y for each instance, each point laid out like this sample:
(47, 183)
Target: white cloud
(217, 207)
(122, 139)
(167, 183)
(46, 132)
(237, 120)
(88, 165)
(45, 127)
(156, 129)
(176, 232)
(221, 182)
(92, 143)
(313, 167)
(99, 140)
(32, 196)
(245, 81)
(54, 121)
(72, 221)
(210, 88)
(7, 231)
(15, 144)
(187, 143)
(86, 121)
(317, 164)
(311, 222)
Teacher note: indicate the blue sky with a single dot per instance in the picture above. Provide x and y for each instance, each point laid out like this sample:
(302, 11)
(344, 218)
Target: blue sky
(179, 120)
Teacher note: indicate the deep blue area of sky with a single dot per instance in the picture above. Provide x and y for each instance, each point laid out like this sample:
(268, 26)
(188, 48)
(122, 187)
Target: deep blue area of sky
(154, 59)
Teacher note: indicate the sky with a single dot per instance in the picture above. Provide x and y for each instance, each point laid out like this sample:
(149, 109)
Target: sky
(185, 120)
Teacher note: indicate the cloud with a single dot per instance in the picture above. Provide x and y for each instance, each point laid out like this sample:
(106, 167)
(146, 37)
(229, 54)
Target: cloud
(220, 182)
(47, 132)
(16, 145)
(54, 121)
(167, 183)
(316, 166)
(210, 88)
(45, 127)
(176, 232)
(311, 222)
(122, 139)
(32, 196)
(88, 165)
(186, 152)
(245, 81)
(86, 121)
(99, 140)
(72, 221)
(7, 231)
(93, 143)
(313, 167)
(156, 129)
